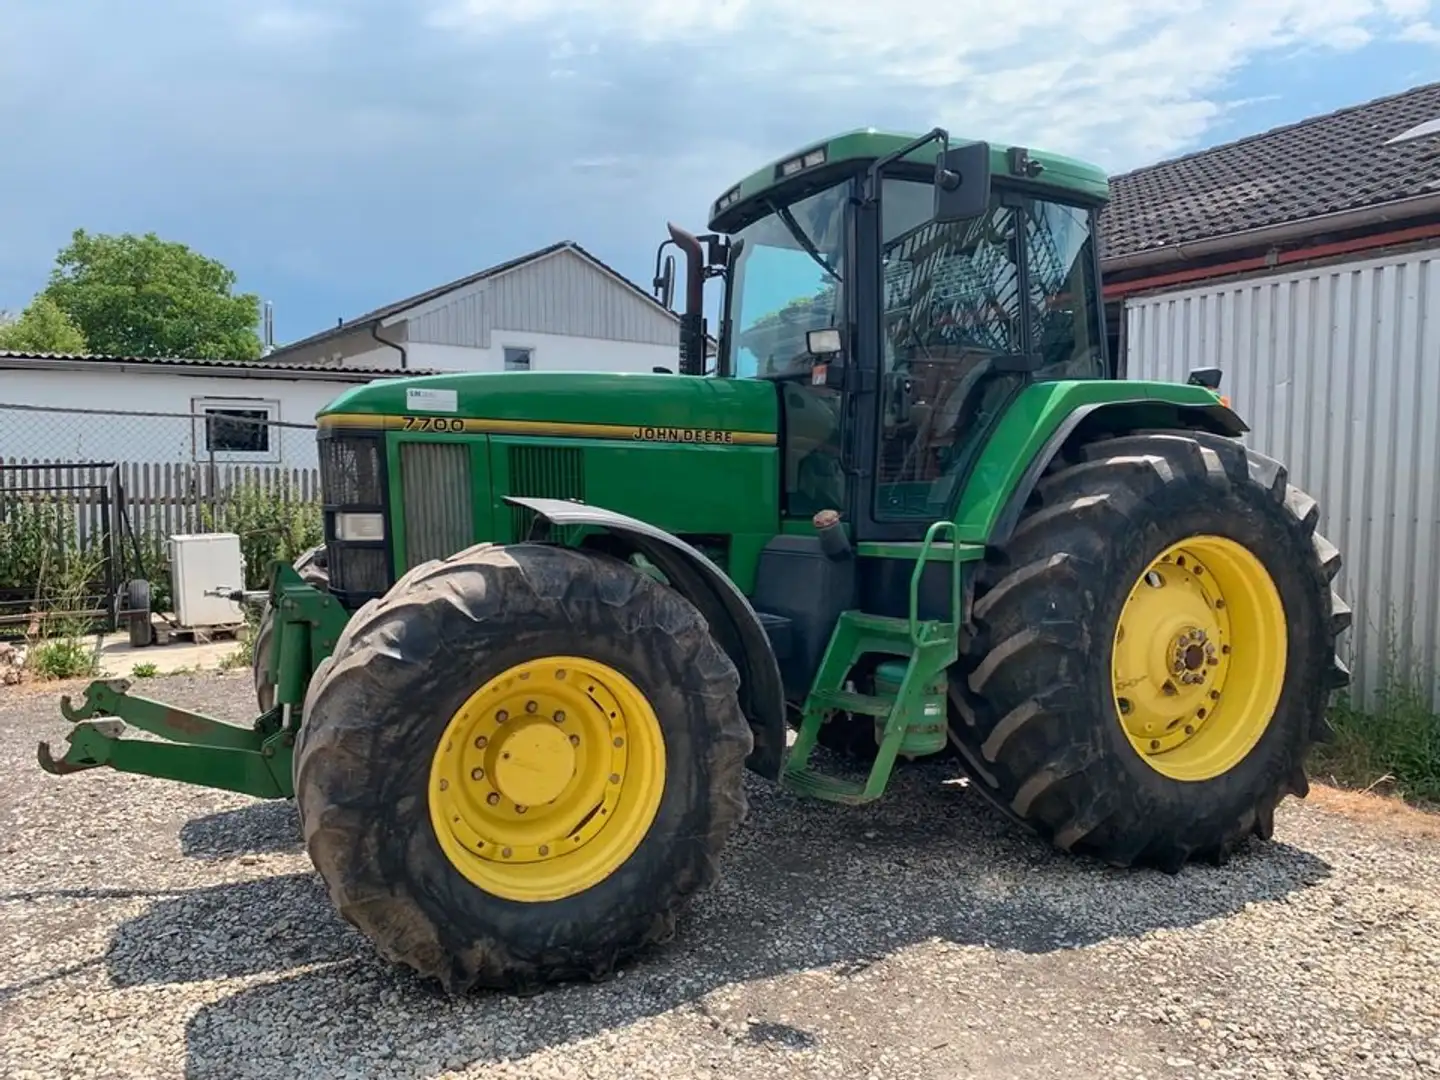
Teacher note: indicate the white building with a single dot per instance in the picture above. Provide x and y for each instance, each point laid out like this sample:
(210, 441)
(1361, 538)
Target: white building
(140, 410)
(1305, 263)
(556, 309)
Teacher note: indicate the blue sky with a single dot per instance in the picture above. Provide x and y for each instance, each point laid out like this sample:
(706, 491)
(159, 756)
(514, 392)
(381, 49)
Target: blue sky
(341, 155)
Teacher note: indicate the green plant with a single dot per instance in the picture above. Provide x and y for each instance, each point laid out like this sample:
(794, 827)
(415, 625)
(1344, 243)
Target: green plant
(1394, 743)
(147, 670)
(37, 534)
(61, 651)
(272, 521)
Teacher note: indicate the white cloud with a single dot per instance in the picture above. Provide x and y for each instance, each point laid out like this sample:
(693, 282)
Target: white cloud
(1427, 33)
(1120, 82)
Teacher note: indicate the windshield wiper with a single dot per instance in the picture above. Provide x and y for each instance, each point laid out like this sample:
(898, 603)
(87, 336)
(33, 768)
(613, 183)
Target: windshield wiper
(793, 227)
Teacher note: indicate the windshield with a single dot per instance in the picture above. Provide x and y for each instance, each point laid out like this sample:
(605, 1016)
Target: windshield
(786, 282)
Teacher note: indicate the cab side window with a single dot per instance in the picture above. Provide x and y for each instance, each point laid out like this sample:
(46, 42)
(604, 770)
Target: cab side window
(1063, 298)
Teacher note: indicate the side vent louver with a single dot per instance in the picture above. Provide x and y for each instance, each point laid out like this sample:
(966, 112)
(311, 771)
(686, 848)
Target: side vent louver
(546, 472)
(439, 509)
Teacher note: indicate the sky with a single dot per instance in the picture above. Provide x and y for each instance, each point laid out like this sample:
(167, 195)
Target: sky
(342, 155)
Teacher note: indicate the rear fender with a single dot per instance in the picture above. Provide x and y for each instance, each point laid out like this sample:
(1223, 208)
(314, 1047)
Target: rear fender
(1101, 418)
(732, 620)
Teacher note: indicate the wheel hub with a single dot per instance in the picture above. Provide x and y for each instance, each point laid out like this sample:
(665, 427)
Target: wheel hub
(1177, 646)
(1192, 652)
(534, 764)
(547, 778)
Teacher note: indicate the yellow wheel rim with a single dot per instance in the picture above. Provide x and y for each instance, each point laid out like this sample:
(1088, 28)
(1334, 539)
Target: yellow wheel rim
(1198, 660)
(547, 778)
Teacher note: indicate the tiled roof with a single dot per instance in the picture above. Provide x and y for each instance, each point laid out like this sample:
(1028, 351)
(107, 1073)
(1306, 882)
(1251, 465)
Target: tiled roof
(226, 367)
(1347, 160)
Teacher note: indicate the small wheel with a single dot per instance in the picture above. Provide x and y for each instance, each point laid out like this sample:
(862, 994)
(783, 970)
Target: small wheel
(137, 603)
(1154, 652)
(520, 764)
(311, 567)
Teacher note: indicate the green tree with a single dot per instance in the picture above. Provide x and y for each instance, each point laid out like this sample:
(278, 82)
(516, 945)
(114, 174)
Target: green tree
(142, 296)
(42, 327)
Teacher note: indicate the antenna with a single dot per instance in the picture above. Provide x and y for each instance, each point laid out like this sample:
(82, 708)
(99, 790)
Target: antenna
(267, 333)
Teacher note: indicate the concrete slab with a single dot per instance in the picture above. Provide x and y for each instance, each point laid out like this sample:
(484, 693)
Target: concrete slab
(118, 658)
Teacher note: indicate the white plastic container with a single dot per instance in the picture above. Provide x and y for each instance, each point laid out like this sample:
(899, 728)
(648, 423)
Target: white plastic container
(205, 562)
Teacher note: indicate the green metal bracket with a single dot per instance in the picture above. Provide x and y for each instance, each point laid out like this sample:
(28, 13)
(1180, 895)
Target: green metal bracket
(930, 647)
(198, 749)
(308, 623)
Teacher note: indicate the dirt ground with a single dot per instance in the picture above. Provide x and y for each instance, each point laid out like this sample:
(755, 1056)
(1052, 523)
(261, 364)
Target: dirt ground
(151, 929)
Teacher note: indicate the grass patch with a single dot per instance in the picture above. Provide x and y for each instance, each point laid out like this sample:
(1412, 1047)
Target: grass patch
(1392, 747)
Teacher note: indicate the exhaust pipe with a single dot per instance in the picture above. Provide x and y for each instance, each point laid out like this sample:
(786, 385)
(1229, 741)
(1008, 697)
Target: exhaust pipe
(692, 320)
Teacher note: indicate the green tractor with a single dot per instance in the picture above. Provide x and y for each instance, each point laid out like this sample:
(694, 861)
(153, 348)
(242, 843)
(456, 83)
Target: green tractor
(897, 507)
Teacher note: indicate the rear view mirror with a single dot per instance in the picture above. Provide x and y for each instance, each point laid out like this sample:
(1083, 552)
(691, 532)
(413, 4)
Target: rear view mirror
(962, 182)
(665, 283)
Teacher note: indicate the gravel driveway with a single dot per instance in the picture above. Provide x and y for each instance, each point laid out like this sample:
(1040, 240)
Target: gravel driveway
(150, 929)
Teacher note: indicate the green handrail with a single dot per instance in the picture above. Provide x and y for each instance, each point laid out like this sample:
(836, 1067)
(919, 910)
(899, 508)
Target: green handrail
(936, 528)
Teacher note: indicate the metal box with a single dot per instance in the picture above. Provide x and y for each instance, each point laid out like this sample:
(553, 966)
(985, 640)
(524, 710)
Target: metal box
(201, 563)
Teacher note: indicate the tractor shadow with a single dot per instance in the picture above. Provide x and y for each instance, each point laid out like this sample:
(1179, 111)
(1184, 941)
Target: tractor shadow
(803, 886)
(266, 828)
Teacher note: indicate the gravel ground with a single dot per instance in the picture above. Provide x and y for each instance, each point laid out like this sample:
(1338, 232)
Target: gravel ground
(150, 929)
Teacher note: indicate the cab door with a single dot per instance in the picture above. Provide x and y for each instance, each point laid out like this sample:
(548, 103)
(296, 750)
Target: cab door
(970, 313)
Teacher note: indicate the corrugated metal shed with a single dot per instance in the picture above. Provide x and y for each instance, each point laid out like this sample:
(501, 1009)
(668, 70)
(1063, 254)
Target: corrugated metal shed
(559, 293)
(1337, 370)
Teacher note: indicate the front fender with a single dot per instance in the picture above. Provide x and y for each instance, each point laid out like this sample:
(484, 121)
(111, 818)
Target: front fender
(732, 619)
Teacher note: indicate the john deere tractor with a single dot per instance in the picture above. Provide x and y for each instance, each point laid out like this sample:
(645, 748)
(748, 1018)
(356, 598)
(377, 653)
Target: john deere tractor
(896, 507)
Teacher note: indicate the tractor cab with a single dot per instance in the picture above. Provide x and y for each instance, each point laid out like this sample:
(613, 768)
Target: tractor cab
(900, 293)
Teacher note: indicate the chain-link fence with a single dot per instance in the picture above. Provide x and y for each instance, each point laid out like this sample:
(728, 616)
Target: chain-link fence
(89, 498)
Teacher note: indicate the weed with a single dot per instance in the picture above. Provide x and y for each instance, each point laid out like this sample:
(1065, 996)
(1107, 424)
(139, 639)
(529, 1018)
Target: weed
(61, 650)
(147, 670)
(1394, 745)
(272, 521)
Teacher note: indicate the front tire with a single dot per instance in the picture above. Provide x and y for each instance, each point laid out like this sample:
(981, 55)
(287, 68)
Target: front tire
(520, 765)
(1153, 653)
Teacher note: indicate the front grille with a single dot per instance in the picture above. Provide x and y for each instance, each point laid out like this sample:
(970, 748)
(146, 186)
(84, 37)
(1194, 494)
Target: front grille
(352, 480)
(358, 571)
(350, 473)
(439, 510)
(543, 472)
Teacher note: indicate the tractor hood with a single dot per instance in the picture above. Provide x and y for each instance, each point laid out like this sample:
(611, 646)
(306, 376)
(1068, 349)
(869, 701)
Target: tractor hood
(658, 408)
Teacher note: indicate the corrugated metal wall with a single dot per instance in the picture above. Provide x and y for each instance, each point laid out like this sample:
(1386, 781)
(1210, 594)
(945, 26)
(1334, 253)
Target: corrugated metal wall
(561, 294)
(1337, 371)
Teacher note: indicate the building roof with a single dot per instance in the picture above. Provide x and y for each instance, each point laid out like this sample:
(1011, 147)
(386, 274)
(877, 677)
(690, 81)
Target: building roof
(382, 313)
(1370, 155)
(240, 369)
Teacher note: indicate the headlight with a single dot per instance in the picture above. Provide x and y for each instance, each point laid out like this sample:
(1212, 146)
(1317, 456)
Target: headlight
(359, 527)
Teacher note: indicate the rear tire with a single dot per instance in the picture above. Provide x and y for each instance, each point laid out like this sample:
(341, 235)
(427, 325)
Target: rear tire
(408, 730)
(312, 567)
(1048, 733)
